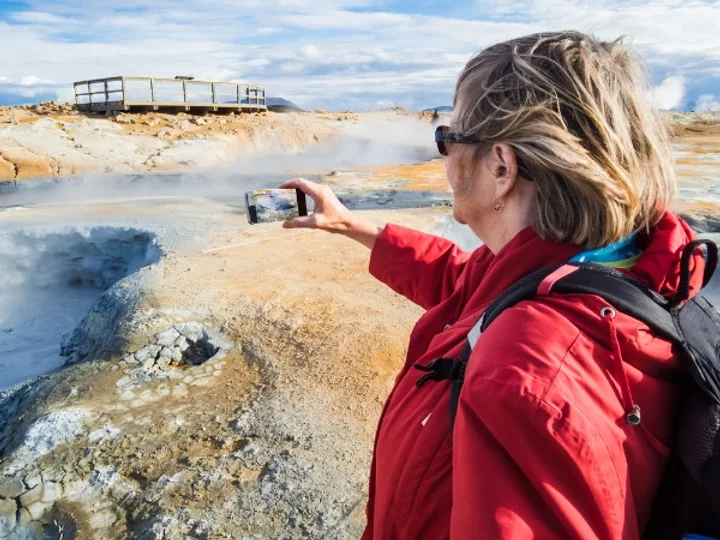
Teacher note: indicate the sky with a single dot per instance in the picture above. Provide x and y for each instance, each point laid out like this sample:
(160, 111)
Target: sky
(337, 54)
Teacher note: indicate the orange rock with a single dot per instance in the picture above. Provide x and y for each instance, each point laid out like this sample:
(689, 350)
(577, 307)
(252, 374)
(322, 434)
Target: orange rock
(29, 164)
(7, 170)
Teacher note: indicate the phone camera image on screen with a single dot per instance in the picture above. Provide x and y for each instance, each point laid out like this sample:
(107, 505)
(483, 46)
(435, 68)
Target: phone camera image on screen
(267, 205)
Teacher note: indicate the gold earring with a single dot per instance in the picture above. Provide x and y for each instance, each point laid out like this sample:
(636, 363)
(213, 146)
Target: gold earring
(499, 206)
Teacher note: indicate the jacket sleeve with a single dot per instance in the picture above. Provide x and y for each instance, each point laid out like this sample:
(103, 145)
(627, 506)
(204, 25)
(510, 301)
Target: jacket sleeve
(522, 469)
(528, 460)
(422, 267)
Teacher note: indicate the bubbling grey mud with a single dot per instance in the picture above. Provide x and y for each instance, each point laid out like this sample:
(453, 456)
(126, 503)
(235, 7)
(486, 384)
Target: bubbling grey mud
(51, 278)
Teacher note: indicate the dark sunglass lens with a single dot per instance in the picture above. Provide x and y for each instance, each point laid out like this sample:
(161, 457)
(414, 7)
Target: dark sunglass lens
(441, 146)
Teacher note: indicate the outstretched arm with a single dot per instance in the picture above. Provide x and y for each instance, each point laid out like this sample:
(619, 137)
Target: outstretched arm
(422, 267)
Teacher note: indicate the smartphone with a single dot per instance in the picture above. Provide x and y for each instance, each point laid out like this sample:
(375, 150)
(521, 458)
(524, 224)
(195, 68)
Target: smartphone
(265, 205)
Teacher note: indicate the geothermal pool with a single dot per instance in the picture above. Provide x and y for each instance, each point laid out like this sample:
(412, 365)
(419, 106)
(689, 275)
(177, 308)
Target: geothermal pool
(50, 279)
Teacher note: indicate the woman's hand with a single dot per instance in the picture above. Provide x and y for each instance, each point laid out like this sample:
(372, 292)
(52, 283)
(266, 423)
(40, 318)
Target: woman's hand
(330, 214)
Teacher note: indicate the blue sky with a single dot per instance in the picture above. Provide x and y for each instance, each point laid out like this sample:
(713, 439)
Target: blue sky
(337, 54)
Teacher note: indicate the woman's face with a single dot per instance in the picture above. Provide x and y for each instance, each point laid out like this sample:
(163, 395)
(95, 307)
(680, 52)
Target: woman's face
(471, 182)
(489, 195)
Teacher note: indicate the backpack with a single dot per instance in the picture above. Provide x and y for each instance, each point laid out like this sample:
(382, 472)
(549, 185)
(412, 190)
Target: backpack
(688, 499)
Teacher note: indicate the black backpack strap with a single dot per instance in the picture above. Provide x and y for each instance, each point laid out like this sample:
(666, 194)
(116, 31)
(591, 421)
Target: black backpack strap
(622, 292)
(711, 260)
(451, 369)
(457, 384)
(692, 326)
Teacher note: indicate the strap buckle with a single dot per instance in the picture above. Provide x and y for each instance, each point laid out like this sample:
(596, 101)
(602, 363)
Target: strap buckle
(439, 369)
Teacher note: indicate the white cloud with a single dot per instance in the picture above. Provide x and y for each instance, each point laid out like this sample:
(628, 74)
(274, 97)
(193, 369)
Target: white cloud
(39, 17)
(669, 94)
(259, 62)
(27, 91)
(31, 80)
(310, 51)
(707, 103)
(662, 26)
(267, 30)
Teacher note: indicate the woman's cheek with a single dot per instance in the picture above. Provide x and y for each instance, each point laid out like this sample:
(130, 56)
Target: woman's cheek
(449, 173)
(455, 174)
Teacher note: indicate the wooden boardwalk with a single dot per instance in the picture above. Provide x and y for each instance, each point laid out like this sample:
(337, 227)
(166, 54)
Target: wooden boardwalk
(179, 94)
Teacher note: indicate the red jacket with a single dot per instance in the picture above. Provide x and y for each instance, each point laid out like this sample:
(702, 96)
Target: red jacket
(541, 448)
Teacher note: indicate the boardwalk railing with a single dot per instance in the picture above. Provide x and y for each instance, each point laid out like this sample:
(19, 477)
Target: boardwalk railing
(128, 93)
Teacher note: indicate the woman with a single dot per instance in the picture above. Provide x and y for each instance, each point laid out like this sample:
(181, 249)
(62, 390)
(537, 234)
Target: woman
(553, 154)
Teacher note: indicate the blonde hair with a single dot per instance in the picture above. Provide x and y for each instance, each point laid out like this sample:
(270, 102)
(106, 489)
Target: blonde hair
(575, 111)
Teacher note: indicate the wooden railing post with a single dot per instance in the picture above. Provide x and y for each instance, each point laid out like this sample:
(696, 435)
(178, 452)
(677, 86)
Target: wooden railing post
(152, 90)
(185, 92)
(122, 94)
(212, 89)
(237, 88)
(107, 95)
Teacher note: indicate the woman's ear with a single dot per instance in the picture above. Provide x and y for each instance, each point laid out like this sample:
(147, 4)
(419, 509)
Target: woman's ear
(503, 165)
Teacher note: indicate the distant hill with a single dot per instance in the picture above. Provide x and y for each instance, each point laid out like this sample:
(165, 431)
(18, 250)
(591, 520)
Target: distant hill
(442, 108)
(11, 100)
(278, 104)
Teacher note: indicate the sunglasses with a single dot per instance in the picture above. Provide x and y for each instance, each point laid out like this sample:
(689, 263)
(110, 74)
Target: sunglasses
(443, 135)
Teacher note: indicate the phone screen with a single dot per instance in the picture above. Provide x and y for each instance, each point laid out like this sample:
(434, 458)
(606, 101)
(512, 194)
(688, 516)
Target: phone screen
(267, 205)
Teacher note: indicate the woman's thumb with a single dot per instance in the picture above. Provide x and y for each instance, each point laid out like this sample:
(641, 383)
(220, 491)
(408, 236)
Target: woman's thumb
(302, 222)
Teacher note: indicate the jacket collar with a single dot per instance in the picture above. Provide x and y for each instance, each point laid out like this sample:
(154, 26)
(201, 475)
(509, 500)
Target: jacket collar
(487, 276)
(659, 264)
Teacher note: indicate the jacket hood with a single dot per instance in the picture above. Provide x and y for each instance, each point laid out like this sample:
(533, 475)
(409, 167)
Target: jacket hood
(659, 264)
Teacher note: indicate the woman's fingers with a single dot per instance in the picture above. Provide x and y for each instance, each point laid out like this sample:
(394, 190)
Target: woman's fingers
(289, 184)
(310, 188)
(330, 214)
(303, 222)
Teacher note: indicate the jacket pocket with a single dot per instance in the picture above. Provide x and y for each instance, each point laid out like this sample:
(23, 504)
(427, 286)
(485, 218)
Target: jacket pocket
(429, 459)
